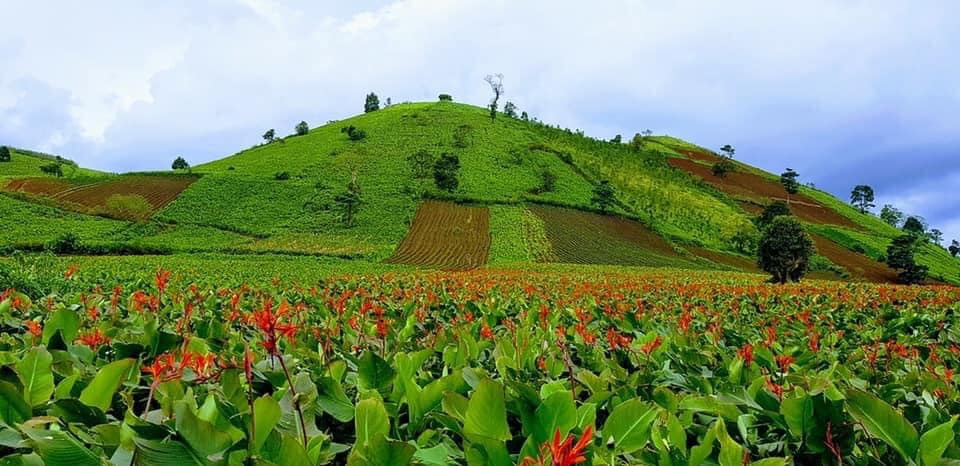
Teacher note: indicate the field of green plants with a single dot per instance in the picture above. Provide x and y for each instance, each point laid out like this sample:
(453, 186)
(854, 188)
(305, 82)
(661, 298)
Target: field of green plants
(541, 366)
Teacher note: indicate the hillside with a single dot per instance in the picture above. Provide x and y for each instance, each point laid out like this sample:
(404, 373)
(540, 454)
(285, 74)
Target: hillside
(279, 198)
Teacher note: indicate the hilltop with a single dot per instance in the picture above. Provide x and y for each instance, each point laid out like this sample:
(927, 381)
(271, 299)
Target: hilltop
(279, 198)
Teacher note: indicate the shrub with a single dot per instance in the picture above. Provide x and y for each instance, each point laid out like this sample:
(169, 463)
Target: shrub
(603, 196)
(446, 98)
(548, 182)
(510, 110)
(354, 133)
(66, 243)
(785, 250)
(179, 163)
(281, 176)
(54, 169)
(130, 207)
(772, 211)
(4, 154)
(269, 136)
(372, 103)
(745, 239)
(721, 168)
(446, 172)
(462, 135)
(900, 256)
(420, 162)
(302, 128)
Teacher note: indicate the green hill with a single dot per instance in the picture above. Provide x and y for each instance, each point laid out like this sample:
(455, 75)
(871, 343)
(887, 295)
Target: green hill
(279, 197)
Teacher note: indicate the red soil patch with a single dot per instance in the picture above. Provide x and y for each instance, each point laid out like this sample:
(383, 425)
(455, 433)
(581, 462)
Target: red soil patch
(38, 186)
(760, 189)
(587, 238)
(157, 190)
(446, 236)
(699, 155)
(859, 265)
(730, 260)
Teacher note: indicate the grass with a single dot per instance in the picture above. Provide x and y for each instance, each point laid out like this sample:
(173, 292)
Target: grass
(507, 242)
(27, 163)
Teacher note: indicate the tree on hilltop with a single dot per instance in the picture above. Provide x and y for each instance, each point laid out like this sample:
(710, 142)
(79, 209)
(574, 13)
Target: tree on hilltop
(788, 180)
(954, 248)
(372, 103)
(510, 110)
(891, 215)
(302, 128)
(270, 135)
(496, 85)
(180, 163)
(4, 154)
(862, 198)
(725, 164)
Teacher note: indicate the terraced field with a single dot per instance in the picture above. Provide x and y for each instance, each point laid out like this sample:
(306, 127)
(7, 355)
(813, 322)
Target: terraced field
(446, 236)
(157, 190)
(580, 237)
(756, 188)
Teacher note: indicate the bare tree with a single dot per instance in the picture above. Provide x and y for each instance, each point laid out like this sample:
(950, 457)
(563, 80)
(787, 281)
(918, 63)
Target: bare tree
(496, 85)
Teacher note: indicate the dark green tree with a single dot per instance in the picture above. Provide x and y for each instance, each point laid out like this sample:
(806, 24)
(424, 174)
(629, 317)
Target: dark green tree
(496, 85)
(55, 169)
(354, 133)
(421, 162)
(773, 210)
(954, 248)
(270, 136)
(637, 142)
(348, 202)
(524, 116)
(891, 215)
(785, 250)
(372, 103)
(935, 235)
(302, 128)
(446, 172)
(789, 181)
(617, 139)
(745, 239)
(510, 110)
(180, 163)
(603, 196)
(4, 154)
(728, 151)
(915, 226)
(446, 98)
(548, 182)
(862, 198)
(900, 256)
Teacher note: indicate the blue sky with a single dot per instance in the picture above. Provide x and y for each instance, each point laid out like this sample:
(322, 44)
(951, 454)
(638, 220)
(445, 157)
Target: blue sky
(846, 92)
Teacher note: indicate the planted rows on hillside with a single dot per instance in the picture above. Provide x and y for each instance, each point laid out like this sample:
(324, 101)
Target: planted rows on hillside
(447, 236)
(158, 191)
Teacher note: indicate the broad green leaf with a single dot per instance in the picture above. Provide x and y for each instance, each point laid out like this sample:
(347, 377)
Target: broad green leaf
(883, 422)
(455, 405)
(201, 435)
(798, 412)
(65, 320)
(333, 400)
(36, 375)
(373, 373)
(731, 453)
(108, 379)
(266, 415)
(557, 412)
(59, 448)
(770, 462)
(486, 414)
(13, 408)
(934, 442)
(371, 421)
(383, 452)
(628, 426)
(163, 453)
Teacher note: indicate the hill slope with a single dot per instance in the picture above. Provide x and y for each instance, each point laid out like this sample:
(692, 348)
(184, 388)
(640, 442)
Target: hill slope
(279, 198)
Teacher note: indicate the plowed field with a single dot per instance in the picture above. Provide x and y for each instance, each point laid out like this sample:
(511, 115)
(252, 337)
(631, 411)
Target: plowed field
(859, 265)
(586, 238)
(446, 236)
(757, 188)
(157, 190)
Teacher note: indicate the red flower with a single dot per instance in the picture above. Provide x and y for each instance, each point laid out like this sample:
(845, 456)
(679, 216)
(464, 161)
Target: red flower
(784, 361)
(746, 353)
(161, 279)
(565, 452)
(271, 328)
(651, 346)
(93, 339)
(70, 272)
(776, 388)
(33, 327)
(486, 332)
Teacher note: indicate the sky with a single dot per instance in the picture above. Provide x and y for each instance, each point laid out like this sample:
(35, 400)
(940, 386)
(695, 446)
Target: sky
(846, 92)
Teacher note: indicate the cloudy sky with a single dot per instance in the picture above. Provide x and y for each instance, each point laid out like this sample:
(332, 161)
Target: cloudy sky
(845, 91)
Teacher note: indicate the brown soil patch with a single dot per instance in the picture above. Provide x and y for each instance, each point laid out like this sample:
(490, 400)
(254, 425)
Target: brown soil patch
(755, 187)
(699, 155)
(731, 260)
(587, 238)
(38, 186)
(447, 236)
(859, 265)
(157, 190)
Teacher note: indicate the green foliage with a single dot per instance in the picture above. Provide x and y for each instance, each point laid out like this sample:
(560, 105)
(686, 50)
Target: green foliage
(54, 169)
(510, 110)
(770, 212)
(281, 176)
(4, 154)
(603, 196)
(132, 207)
(445, 98)
(745, 239)
(421, 164)
(785, 249)
(269, 136)
(371, 103)
(66, 243)
(954, 248)
(353, 133)
(891, 215)
(900, 256)
(302, 128)
(446, 171)
(862, 198)
(788, 180)
(915, 226)
(180, 163)
(548, 182)
(348, 203)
